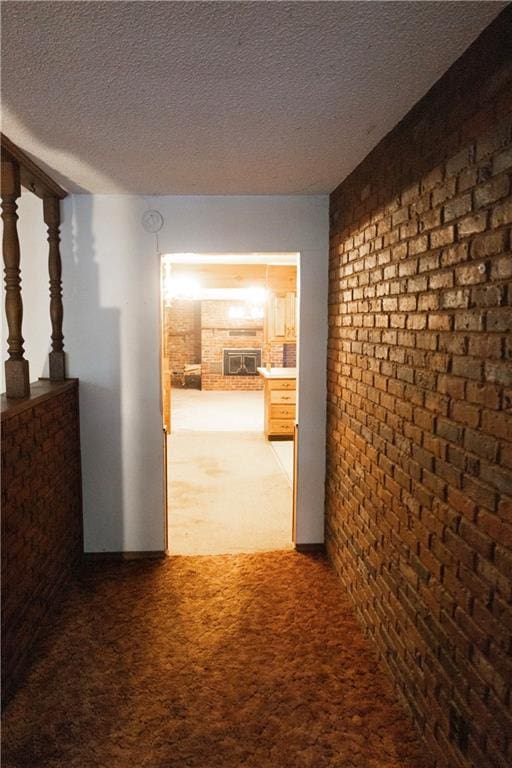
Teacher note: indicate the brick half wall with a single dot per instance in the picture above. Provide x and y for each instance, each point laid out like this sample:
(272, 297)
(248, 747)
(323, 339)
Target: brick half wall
(41, 515)
(419, 437)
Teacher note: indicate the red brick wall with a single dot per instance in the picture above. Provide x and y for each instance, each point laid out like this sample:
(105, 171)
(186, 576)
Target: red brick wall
(216, 325)
(182, 328)
(419, 440)
(198, 332)
(41, 520)
(289, 355)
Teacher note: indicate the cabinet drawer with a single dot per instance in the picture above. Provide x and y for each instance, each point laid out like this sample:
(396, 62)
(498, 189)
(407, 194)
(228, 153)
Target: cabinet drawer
(281, 384)
(281, 427)
(282, 411)
(282, 396)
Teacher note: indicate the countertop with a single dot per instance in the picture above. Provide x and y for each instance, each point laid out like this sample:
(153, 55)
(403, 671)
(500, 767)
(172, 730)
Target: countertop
(278, 373)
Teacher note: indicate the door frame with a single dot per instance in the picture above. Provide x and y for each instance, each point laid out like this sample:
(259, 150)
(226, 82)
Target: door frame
(166, 405)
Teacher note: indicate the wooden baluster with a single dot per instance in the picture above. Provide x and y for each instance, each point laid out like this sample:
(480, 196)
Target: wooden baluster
(51, 212)
(17, 383)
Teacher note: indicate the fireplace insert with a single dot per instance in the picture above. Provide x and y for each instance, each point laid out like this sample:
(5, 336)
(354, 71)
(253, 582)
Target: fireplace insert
(241, 362)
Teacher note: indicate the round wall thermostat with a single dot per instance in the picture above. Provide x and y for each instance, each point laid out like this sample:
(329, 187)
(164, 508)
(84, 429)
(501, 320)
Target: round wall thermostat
(152, 221)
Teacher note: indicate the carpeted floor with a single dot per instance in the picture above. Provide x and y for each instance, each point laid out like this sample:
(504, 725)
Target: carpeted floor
(200, 410)
(283, 450)
(227, 493)
(207, 662)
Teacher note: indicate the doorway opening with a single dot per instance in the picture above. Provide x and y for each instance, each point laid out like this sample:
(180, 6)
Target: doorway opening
(229, 401)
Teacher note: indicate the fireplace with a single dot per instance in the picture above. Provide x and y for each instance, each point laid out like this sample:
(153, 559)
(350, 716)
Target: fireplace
(241, 362)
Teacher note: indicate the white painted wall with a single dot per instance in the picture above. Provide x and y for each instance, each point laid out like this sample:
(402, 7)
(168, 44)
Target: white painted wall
(111, 305)
(36, 327)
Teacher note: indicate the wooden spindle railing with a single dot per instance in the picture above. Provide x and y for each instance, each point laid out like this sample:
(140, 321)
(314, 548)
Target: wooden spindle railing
(16, 367)
(19, 170)
(51, 212)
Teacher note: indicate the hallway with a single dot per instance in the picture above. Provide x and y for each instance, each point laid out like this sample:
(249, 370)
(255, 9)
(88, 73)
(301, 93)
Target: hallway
(304, 209)
(208, 662)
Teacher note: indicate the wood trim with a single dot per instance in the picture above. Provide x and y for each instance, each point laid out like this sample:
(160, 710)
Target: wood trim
(41, 390)
(166, 492)
(32, 177)
(151, 554)
(310, 549)
(165, 404)
(295, 480)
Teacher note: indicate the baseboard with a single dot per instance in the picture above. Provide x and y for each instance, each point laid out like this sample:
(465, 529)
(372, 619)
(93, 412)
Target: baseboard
(152, 554)
(317, 548)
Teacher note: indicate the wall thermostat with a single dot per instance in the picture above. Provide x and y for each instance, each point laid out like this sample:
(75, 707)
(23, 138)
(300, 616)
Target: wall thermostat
(152, 221)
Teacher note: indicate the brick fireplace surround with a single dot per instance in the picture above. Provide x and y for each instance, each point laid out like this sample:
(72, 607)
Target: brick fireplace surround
(419, 436)
(219, 331)
(200, 331)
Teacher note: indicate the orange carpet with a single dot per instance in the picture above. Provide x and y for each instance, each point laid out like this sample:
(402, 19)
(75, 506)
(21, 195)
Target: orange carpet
(207, 662)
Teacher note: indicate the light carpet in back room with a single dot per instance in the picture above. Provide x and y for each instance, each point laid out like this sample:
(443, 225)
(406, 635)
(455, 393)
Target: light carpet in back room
(227, 493)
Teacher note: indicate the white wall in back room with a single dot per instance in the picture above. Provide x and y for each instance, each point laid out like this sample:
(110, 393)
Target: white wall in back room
(112, 327)
(36, 327)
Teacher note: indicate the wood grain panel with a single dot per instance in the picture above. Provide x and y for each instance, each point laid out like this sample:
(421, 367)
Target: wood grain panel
(281, 427)
(286, 396)
(282, 411)
(276, 278)
(281, 384)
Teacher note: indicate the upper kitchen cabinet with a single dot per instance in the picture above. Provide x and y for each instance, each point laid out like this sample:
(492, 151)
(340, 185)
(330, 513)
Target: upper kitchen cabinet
(281, 317)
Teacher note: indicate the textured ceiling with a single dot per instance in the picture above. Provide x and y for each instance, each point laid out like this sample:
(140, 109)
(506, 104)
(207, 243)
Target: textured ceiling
(219, 97)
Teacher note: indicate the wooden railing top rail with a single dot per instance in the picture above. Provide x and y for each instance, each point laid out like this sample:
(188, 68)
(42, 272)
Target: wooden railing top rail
(41, 390)
(31, 176)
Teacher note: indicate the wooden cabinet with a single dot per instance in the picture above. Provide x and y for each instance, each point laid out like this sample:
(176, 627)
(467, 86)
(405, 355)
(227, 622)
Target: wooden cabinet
(280, 407)
(281, 317)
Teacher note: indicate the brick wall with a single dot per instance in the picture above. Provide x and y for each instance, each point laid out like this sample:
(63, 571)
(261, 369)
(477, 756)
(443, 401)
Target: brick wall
(289, 355)
(198, 332)
(41, 518)
(419, 440)
(217, 329)
(182, 329)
